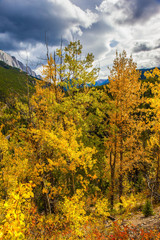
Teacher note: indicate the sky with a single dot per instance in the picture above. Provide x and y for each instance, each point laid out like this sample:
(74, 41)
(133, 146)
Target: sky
(102, 26)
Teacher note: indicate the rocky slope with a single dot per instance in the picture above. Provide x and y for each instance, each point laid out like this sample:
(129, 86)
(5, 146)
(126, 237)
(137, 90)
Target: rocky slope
(13, 62)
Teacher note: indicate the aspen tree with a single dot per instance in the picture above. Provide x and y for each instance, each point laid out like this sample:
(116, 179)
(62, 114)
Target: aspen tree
(75, 70)
(154, 142)
(125, 90)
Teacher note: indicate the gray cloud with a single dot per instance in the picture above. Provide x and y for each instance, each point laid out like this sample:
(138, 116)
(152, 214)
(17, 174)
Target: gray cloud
(95, 40)
(157, 60)
(140, 10)
(129, 11)
(113, 24)
(144, 47)
(84, 4)
(27, 21)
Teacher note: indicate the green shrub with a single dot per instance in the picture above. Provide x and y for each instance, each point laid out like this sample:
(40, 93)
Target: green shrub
(147, 209)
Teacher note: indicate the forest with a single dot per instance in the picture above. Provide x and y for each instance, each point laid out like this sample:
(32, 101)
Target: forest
(74, 156)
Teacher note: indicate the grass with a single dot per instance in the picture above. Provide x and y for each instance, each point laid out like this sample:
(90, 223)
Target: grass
(14, 81)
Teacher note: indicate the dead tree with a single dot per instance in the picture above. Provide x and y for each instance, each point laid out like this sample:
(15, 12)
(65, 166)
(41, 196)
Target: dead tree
(151, 183)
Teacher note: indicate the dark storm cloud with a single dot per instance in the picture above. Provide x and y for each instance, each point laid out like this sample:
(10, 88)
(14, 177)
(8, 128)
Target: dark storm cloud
(108, 24)
(27, 21)
(129, 11)
(138, 10)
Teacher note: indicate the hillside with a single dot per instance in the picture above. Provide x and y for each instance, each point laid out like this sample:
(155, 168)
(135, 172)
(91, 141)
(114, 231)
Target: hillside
(13, 62)
(14, 81)
(84, 163)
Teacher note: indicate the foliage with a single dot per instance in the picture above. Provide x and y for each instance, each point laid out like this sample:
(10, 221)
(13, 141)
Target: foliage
(127, 204)
(147, 209)
(123, 145)
(74, 212)
(74, 152)
(101, 208)
(15, 210)
(125, 232)
(154, 124)
(74, 71)
(14, 82)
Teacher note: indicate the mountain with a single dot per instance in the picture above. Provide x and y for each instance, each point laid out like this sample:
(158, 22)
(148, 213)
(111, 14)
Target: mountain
(14, 82)
(14, 79)
(13, 62)
(101, 82)
(143, 70)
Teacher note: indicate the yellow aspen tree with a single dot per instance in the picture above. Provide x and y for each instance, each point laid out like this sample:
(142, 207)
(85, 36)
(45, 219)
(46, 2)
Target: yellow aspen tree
(124, 125)
(154, 142)
(50, 76)
(61, 160)
(49, 71)
(76, 71)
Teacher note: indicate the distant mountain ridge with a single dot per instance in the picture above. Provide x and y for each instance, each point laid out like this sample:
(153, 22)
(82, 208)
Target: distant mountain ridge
(143, 70)
(101, 82)
(13, 62)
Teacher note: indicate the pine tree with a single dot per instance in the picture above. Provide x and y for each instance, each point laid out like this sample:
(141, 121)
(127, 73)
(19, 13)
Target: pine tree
(147, 209)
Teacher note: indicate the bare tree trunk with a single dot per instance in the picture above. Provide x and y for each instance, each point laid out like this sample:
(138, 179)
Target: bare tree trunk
(55, 76)
(112, 168)
(121, 177)
(151, 186)
(46, 42)
(158, 169)
(121, 167)
(73, 183)
(61, 62)
(28, 94)
(48, 199)
(112, 186)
